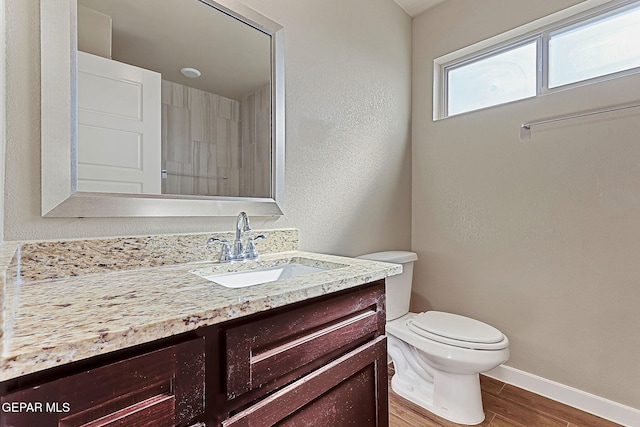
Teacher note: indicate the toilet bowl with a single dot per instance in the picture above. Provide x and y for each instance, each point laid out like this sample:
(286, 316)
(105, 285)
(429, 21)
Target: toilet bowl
(437, 356)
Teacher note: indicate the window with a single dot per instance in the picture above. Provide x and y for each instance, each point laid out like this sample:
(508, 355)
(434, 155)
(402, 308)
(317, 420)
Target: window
(598, 47)
(577, 46)
(498, 78)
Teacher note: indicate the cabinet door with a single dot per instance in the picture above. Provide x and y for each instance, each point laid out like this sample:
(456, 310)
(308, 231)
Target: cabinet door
(350, 391)
(160, 389)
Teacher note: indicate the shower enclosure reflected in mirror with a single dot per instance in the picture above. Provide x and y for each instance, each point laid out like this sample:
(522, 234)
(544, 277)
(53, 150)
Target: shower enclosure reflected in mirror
(146, 139)
(145, 127)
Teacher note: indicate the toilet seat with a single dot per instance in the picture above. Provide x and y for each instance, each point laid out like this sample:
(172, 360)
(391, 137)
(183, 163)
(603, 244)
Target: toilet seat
(456, 330)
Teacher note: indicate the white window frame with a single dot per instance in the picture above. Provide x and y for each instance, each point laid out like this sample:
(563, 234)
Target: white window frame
(539, 30)
(496, 50)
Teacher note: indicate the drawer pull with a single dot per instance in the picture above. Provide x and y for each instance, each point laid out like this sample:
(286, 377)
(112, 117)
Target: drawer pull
(157, 411)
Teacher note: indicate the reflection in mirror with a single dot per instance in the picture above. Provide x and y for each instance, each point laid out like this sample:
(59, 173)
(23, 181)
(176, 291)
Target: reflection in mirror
(259, 183)
(174, 97)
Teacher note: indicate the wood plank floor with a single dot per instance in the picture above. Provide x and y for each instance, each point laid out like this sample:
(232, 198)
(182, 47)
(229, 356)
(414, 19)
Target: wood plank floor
(504, 406)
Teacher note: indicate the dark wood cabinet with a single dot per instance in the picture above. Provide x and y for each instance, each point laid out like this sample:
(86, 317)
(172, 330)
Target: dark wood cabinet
(346, 392)
(321, 362)
(160, 388)
(261, 351)
(318, 363)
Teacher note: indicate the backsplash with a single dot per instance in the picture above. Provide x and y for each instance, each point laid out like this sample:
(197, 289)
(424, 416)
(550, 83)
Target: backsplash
(45, 260)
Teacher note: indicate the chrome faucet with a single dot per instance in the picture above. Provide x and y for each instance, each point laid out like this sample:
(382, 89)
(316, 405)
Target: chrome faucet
(242, 227)
(240, 250)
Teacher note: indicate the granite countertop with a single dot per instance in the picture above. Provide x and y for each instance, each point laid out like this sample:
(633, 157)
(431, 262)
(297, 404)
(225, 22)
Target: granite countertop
(51, 322)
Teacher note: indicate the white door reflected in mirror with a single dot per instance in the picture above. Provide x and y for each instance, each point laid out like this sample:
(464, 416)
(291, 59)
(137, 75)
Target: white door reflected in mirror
(118, 127)
(211, 108)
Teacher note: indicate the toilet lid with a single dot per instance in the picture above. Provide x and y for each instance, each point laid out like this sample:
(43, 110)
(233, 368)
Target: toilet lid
(456, 330)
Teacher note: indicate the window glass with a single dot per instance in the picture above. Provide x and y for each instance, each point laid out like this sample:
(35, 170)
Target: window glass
(596, 48)
(505, 76)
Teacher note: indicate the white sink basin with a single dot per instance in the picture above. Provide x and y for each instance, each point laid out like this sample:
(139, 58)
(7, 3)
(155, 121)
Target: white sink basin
(240, 279)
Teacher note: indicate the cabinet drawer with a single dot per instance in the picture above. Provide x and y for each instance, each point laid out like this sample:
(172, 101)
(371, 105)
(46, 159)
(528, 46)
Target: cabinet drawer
(264, 350)
(160, 388)
(155, 411)
(351, 390)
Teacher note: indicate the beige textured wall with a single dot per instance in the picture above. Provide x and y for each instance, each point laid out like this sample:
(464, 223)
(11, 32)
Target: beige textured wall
(540, 238)
(94, 32)
(348, 130)
(2, 116)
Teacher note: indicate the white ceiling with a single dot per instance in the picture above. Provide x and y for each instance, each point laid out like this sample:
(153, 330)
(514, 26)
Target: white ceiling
(146, 33)
(416, 7)
(167, 35)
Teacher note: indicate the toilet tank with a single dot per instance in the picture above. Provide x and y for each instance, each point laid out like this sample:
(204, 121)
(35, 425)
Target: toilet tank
(397, 288)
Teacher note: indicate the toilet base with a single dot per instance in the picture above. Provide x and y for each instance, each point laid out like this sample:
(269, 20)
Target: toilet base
(454, 397)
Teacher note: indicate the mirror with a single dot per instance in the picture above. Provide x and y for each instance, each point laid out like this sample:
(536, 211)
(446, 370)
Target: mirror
(217, 146)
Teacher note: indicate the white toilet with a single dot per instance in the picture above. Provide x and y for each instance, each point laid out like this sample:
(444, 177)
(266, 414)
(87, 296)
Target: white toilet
(437, 356)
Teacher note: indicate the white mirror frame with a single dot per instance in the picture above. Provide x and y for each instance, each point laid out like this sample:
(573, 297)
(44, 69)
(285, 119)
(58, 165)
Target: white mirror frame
(60, 197)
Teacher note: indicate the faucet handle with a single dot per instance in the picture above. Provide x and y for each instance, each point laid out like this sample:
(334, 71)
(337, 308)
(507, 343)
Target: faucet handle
(251, 252)
(225, 253)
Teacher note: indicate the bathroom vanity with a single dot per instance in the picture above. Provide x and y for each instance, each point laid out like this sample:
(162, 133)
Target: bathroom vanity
(308, 361)
(181, 350)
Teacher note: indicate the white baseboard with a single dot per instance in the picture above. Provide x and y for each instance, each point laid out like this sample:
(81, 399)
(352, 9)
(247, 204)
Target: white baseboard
(603, 408)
